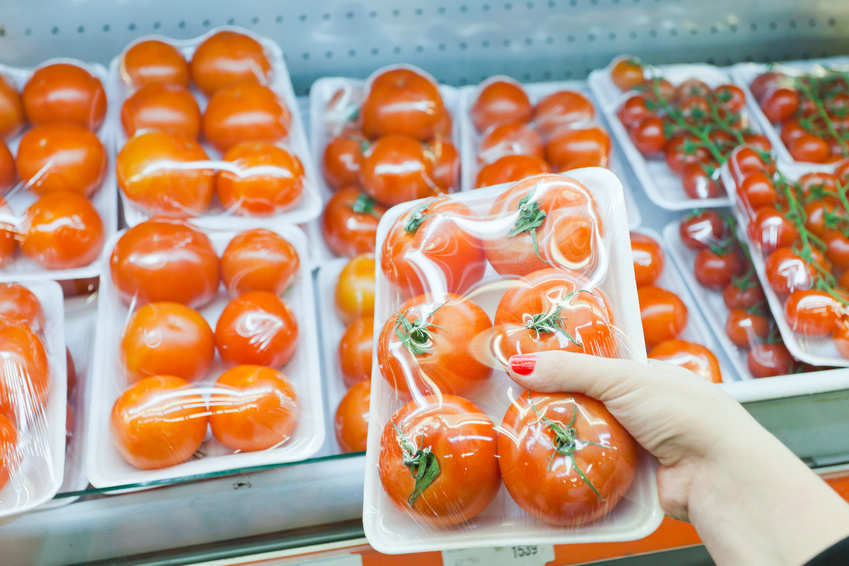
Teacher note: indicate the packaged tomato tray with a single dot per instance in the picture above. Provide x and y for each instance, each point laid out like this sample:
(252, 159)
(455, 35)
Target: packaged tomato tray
(32, 395)
(58, 203)
(209, 129)
(463, 282)
(512, 131)
(676, 124)
(196, 373)
(801, 106)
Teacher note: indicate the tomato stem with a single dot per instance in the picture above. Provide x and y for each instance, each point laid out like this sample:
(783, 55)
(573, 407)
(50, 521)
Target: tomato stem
(552, 321)
(531, 217)
(813, 95)
(416, 336)
(364, 204)
(421, 461)
(418, 216)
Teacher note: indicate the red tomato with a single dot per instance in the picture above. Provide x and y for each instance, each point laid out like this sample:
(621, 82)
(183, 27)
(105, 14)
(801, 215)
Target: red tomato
(153, 62)
(764, 82)
(837, 249)
(745, 328)
(268, 179)
(769, 359)
(787, 271)
(633, 110)
(743, 293)
(730, 97)
(7, 168)
(757, 191)
(24, 373)
(745, 160)
(563, 109)
(816, 183)
(554, 309)
(253, 408)
(770, 230)
(812, 312)
(446, 164)
(245, 111)
(758, 141)
(158, 422)
(256, 328)
(62, 231)
(701, 229)
(791, 130)
(657, 88)
(351, 421)
(166, 339)
(808, 147)
(396, 169)
(779, 103)
(841, 337)
(509, 139)
(403, 102)
(61, 157)
(427, 249)
(648, 136)
(689, 355)
(355, 349)
(343, 158)
(695, 110)
(354, 295)
(64, 92)
(511, 168)
(648, 259)
(817, 211)
(165, 260)
(432, 345)
(663, 314)
(228, 57)
(11, 109)
(349, 222)
(19, 305)
(690, 88)
(627, 73)
(683, 149)
(149, 173)
(842, 171)
(573, 148)
(259, 260)
(557, 224)
(9, 458)
(715, 269)
(438, 461)
(167, 107)
(500, 102)
(564, 458)
(699, 183)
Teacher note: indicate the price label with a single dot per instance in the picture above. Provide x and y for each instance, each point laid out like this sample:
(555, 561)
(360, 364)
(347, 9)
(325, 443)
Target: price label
(525, 555)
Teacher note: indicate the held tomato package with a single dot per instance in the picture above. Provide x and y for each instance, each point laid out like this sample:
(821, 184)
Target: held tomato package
(458, 454)
(209, 129)
(196, 373)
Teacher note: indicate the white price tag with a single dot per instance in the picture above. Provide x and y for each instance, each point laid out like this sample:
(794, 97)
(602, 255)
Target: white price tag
(528, 555)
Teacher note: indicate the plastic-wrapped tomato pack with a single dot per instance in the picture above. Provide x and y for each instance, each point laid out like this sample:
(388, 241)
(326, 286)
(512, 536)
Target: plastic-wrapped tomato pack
(206, 356)
(210, 130)
(58, 205)
(458, 454)
(676, 124)
(32, 395)
(801, 106)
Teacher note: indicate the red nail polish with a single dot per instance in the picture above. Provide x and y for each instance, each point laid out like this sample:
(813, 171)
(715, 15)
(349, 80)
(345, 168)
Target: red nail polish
(523, 364)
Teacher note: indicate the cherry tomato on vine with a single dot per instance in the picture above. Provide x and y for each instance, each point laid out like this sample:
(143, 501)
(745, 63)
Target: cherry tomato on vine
(770, 230)
(758, 142)
(61, 231)
(153, 62)
(715, 269)
(808, 147)
(167, 107)
(813, 312)
(12, 118)
(397, 169)
(648, 259)
(657, 89)
(791, 130)
(743, 293)
(559, 110)
(699, 182)
(769, 359)
(690, 88)
(270, 179)
(764, 82)
(757, 191)
(259, 260)
(63, 92)
(228, 57)
(689, 355)
(574, 148)
(648, 135)
(355, 348)
(245, 111)
(343, 157)
(787, 271)
(702, 229)
(500, 102)
(509, 139)
(730, 97)
(836, 249)
(256, 328)
(511, 168)
(779, 103)
(816, 183)
(745, 160)
(746, 328)
(355, 289)
(683, 149)
(351, 420)
(817, 213)
(627, 73)
(633, 110)
(663, 314)
(404, 102)
(20, 306)
(349, 222)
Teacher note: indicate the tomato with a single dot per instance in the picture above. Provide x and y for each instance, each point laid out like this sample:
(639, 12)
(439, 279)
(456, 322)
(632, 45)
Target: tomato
(167, 107)
(746, 328)
(683, 149)
(779, 103)
(842, 171)
(61, 157)
(355, 349)
(253, 408)
(24, 372)
(791, 130)
(574, 148)
(265, 180)
(343, 157)
(627, 73)
(245, 111)
(62, 231)
(715, 269)
(9, 458)
(11, 110)
(690, 88)
(689, 355)
(509, 139)
(158, 422)
(564, 458)
(438, 461)
(808, 147)
(702, 229)
(259, 260)
(837, 249)
(757, 191)
(663, 314)
(20, 306)
(656, 88)
(648, 136)
(153, 62)
(446, 164)
(7, 168)
(817, 213)
(557, 224)
(730, 97)
(149, 173)
(256, 328)
(351, 420)
(8, 236)
(699, 183)
(554, 309)
(511, 168)
(354, 295)
(788, 271)
(63, 92)
(648, 259)
(427, 249)
(228, 57)
(633, 110)
(812, 312)
(397, 169)
(695, 110)
(402, 101)
(165, 260)
(349, 222)
(758, 141)
(500, 102)
(745, 160)
(166, 339)
(559, 110)
(770, 230)
(769, 359)
(764, 82)
(743, 293)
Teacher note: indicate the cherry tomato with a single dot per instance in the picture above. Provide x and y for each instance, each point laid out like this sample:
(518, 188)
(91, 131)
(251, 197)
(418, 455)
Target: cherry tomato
(228, 57)
(349, 222)
(355, 289)
(11, 110)
(396, 169)
(765, 82)
(165, 260)
(256, 328)
(683, 149)
(453, 444)
(656, 88)
(61, 157)
(787, 271)
(743, 293)
(564, 458)
(627, 73)
(791, 130)
(702, 229)
(769, 359)
(20, 306)
(446, 164)
(745, 160)
(253, 408)
(511, 168)
(167, 107)
(62, 231)
(745, 328)
(730, 97)
(259, 260)
(24, 373)
(63, 92)
(509, 139)
(812, 312)
(9, 458)
(770, 230)
(816, 183)
(158, 422)
(716, 269)
(574, 148)
(840, 337)
(779, 103)
(648, 136)
(808, 147)
(837, 249)
(500, 102)
(817, 211)
(757, 191)
(699, 183)
(690, 88)
(153, 62)
(695, 109)
(269, 179)
(689, 355)
(663, 313)
(351, 421)
(403, 102)
(7, 168)
(245, 111)
(343, 158)
(563, 109)
(355, 349)
(758, 141)
(633, 110)
(167, 339)
(648, 259)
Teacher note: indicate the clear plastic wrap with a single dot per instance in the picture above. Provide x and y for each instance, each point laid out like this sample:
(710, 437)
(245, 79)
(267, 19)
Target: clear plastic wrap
(252, 166)
(464, 282)
(240, 374)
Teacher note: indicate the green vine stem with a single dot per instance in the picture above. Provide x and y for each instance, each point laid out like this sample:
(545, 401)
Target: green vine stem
(418, 216)
(417, 335)
(421, 461)
(552, 321)
(813, 95)
(531, 217)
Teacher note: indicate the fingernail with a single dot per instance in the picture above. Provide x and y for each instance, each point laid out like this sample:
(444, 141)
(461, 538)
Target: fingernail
(523, 364)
